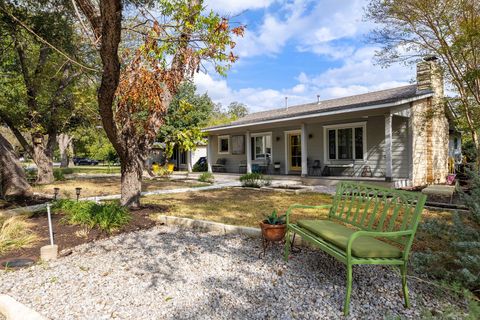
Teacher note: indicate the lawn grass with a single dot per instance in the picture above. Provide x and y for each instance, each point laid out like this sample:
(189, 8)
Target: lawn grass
(107, 186)
(98, 169)
(237, 206)
(15, 234)
(246, 207)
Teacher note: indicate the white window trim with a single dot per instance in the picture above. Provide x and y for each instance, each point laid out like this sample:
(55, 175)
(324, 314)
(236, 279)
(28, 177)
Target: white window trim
(352, 125)
(220, 138)
(261, 134)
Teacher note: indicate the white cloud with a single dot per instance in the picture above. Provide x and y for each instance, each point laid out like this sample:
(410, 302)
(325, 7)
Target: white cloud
(356, 75)
(236, 6)
(310, 25)
(328, 28)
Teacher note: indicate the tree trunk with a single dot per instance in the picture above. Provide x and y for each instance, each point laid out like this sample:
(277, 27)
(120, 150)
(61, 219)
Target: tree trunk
(13, 181)
(63, 146)
(43, 158)
(476, 143)
(132, 170)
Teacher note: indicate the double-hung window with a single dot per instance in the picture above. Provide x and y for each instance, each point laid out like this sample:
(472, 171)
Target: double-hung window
(223, 144)
(262, 146)
(345, 142)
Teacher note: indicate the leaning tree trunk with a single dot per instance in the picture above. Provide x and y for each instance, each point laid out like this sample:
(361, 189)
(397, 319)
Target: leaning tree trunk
(131, 187)
(63, 146)
(13, 181)
(43, 158)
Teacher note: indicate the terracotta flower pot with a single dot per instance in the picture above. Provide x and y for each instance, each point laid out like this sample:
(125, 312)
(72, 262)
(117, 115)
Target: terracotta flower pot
(273, 232)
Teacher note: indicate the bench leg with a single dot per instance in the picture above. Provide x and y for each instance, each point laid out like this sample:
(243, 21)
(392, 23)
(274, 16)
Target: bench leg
(287, 245)
(346, 306)
(403, 270)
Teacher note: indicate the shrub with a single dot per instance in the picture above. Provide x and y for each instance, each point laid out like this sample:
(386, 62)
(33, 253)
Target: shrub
(200, 167)
(206, 177)
(459, 259)
(107, 216)
(254, 180)
(15, 234)
(59, 173)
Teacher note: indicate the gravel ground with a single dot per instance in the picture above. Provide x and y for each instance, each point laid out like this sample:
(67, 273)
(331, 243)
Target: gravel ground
(171, 273)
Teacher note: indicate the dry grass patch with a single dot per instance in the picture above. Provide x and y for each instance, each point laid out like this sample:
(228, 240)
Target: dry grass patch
(15, 233)
(247, 207)
(107, 186)
(236, 206)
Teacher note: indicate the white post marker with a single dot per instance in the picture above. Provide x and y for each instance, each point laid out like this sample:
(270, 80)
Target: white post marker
(50, 228)
(49, 252)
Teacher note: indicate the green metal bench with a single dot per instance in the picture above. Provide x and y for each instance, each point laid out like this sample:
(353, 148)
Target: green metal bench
(366, 225)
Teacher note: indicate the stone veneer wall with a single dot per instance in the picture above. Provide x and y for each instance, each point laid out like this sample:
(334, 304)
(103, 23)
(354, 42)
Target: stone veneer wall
(429, 129)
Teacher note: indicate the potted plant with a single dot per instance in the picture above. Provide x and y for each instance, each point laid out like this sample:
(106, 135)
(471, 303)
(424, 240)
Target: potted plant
(273, 227)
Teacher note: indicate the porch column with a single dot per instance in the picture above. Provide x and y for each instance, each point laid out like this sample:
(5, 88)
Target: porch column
(209, 154)
(388, 147)
(189, 161)
(304, 145)
(248, 146)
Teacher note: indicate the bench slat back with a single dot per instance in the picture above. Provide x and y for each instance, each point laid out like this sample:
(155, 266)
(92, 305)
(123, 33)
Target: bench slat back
(373, 208)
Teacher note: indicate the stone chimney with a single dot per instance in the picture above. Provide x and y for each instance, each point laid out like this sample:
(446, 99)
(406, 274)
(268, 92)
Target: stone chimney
(429, 76)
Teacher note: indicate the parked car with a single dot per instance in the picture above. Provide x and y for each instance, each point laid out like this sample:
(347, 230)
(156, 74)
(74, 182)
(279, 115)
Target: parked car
(84, 162)
(200, 165)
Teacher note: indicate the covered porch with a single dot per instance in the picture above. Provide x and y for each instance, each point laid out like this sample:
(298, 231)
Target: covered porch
(373, 145)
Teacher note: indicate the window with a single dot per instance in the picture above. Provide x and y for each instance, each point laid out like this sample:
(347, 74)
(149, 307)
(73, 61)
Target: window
(223, 144)
(345, 142)
(262, 146)
(183, 157)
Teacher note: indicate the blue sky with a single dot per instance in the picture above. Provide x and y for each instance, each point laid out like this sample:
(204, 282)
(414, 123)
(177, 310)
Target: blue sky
(299, 48)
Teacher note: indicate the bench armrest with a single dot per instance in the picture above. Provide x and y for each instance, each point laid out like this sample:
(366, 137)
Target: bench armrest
(301, 206)
(373, 234)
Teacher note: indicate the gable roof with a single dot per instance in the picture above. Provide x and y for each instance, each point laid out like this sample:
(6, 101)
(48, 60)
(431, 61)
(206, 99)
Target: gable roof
(346, 103)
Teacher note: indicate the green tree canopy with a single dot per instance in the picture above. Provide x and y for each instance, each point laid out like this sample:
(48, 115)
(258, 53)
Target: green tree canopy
(187, 114)
(408, 30)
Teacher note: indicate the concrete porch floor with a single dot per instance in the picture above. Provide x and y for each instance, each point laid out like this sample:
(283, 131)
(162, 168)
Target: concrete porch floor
(329, 181)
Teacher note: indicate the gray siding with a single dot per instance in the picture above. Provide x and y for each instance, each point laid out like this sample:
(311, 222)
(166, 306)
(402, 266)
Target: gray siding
(375, 135)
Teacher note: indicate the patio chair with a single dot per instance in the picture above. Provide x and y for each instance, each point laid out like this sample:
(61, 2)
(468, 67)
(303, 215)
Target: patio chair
(316, 168)
(276, 167)
(242, 167)
(220, 165)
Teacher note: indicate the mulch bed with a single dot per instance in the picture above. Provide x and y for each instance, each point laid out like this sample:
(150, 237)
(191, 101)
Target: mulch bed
(67, 237)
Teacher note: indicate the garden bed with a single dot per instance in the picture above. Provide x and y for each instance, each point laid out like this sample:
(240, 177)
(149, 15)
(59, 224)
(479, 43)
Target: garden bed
(68, 236)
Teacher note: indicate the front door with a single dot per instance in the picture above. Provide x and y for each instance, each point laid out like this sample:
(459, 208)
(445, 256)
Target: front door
(295, 151)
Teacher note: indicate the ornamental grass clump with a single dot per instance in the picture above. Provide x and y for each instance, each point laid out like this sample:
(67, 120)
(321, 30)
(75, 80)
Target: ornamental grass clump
(254, 180)
(206, 177)
(15, 233)
(106, 216)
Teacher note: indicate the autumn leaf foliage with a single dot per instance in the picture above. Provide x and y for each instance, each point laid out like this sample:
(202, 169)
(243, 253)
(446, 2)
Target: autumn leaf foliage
(171, 53)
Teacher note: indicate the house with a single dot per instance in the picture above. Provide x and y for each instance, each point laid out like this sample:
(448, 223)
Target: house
(183, 160)
(398, 135)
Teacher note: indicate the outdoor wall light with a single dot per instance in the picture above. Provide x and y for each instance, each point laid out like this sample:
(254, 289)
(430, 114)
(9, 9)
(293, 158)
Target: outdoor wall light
(310, 136)
(277, 138)
(55, 193)
(77, 191)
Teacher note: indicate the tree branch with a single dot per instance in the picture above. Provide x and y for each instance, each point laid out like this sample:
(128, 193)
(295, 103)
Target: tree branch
(21, 139)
